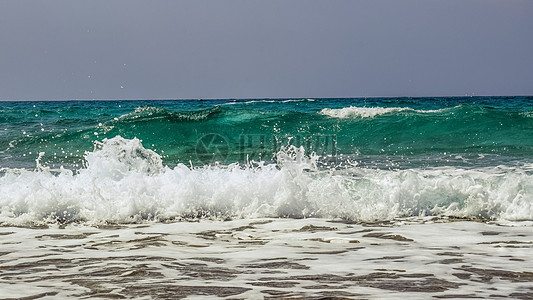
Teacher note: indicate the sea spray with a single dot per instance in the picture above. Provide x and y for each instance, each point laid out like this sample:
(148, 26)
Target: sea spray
(123, 182)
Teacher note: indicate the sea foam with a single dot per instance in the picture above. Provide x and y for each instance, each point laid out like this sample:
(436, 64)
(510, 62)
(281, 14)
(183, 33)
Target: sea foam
(123, 182)
(369, 112)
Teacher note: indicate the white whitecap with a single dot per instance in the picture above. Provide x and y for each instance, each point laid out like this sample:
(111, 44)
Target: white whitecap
(370, 112)
(124, 182)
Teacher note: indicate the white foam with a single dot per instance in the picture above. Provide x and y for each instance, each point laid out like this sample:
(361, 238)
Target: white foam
(143, 112)
(408, 260)
(369, 112)
(527, 114)
(124, 182)
(271, 101)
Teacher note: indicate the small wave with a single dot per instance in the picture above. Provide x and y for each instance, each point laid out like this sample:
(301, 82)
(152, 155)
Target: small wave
(298, 100)
(124, 182)
(150, 113)
(271, 101)
(370, 112)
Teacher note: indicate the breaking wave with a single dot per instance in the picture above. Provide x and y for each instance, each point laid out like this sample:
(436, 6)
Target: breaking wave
(370, 112)
(123, 182)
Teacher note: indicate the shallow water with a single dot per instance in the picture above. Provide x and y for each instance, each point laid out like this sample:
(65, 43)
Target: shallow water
(270, 258)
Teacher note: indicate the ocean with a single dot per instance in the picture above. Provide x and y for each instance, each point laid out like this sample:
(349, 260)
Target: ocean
(267, 198)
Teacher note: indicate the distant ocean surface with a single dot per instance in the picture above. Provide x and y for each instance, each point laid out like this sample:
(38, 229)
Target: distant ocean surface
(357, 160)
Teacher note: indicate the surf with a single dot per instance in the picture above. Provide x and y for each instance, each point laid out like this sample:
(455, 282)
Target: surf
(123, 182)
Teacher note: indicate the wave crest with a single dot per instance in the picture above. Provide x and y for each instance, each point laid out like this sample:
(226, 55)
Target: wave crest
(150, 113)
(270, 101)
(119, 157)
(124, 182)
(370, 112)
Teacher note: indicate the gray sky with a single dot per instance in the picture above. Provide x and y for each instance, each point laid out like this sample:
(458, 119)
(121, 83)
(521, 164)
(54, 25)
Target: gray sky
(129, 49)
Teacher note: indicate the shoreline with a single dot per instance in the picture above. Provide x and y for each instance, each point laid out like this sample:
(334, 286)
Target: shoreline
(276, 258)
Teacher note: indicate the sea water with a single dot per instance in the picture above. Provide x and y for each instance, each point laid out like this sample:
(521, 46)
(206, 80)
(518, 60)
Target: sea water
(359, 198)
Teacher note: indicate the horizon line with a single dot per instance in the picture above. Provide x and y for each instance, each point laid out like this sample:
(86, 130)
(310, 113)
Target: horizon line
(257, 98)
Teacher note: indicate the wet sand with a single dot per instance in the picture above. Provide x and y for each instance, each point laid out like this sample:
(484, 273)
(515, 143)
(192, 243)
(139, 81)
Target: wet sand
(269, 258)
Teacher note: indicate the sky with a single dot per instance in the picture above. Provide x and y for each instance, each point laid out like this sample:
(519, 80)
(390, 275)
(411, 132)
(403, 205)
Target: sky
(190, 49)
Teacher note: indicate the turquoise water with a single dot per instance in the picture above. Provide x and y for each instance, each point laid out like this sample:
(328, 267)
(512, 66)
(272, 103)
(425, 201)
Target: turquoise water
(427, 131)
(352, 159)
